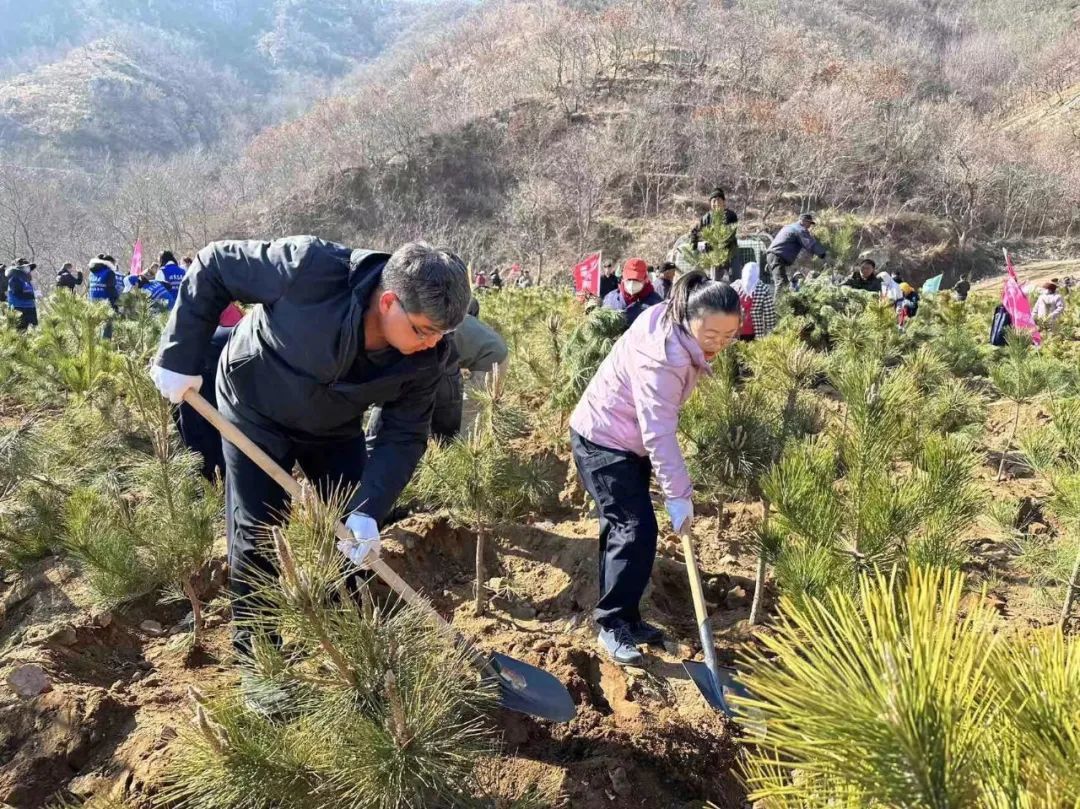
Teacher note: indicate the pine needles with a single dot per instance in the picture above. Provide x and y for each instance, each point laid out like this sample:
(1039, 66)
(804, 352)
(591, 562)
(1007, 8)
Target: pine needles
(384, 712)
(482, 479)
(896, 695)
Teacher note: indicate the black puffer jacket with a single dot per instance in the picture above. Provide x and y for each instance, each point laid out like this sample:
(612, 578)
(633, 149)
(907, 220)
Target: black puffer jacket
(296, 364)
(856, 281)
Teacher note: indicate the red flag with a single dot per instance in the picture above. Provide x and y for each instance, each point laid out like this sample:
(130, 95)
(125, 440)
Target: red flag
(136, 258)
(587, 275)
(1016, 302)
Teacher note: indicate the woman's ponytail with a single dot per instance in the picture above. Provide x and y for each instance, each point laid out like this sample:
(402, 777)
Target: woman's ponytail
(694, 295)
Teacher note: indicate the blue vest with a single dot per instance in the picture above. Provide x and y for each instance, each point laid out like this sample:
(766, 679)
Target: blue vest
(99, 284)
(160, 294)
(173, 275)
(20, 291)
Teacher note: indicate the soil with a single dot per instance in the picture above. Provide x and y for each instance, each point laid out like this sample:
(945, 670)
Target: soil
(642, 737)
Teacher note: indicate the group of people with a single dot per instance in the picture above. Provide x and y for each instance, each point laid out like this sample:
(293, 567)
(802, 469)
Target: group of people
(332, 333)
(347, 361)
(161, 283)
(517, 277)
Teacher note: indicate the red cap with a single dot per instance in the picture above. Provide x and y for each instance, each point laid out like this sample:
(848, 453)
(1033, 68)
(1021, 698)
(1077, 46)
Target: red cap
(635, 269)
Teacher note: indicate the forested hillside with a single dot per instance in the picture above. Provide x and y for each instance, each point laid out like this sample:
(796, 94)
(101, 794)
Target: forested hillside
(536, 131)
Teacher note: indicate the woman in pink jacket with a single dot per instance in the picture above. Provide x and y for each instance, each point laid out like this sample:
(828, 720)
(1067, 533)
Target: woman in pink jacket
(625, 427)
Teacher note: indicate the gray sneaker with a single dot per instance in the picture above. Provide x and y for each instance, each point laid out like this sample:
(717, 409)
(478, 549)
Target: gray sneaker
(619, 644)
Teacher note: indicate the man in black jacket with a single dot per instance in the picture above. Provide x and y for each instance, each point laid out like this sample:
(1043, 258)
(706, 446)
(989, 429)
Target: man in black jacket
(68, 279)
(335, 331)
(718, 211)
(865, 278)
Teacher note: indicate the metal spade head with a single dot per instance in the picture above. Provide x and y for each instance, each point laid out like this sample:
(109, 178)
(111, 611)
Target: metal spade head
(531, 690)
(716, 689)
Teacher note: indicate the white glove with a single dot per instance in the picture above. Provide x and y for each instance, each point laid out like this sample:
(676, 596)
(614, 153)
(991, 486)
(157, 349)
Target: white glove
(365, 543)
(172, 385)
(681, 511)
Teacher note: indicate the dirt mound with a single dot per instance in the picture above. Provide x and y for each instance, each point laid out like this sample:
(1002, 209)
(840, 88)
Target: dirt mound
(642, 737)
(649, 722)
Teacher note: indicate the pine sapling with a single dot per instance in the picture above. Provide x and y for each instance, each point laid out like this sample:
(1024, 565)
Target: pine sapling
(1020, 375)
(380, 710)
(482, 479)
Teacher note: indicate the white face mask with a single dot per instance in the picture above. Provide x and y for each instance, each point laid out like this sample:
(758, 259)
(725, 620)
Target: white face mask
(634, 287)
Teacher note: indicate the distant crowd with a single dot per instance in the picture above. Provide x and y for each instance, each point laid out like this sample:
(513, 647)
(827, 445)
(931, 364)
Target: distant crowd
(103, 282)
(636, 285)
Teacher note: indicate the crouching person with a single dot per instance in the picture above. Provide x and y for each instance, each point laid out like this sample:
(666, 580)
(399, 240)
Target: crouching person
(624, 429)
(332, 331)
(484, 361)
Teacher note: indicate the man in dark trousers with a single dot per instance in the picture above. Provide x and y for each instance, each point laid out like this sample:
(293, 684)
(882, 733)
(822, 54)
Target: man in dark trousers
(333, 331)
(786, 246)
(718, 209)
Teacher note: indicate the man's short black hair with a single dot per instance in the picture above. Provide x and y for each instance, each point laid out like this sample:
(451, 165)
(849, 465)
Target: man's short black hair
(869, 261)
(429, 281)
(717, 193)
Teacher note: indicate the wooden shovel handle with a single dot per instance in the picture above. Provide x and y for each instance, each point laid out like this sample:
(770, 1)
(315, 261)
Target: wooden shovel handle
(697, 593)
(271, 467)
(696, 590)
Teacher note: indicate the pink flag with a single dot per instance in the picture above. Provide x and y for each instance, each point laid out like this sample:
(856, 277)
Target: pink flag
(587, 275)
(136, 258)
(1016, 302)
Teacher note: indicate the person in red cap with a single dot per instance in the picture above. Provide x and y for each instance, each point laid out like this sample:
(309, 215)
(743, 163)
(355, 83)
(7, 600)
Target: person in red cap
(635, 293)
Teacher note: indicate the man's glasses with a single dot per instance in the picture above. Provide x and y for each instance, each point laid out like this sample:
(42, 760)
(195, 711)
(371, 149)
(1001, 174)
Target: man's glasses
(422, 332)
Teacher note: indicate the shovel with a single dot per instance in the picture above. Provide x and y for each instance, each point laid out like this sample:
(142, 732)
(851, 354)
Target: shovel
(712, 680)
(522, 688)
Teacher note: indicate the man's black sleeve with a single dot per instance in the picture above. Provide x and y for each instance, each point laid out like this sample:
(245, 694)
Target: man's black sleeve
(397, 448)
(111, 292)
(223, 272)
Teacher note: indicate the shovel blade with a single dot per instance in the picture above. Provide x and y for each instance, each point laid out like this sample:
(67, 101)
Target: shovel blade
(531, 690)
(715, 690)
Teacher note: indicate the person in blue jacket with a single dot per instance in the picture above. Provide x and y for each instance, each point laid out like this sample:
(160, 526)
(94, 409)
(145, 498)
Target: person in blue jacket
(104, 282)
(786, 246)
(171, 273)
(20, 292)
(105, 286)
(635, 292)
(161, 295)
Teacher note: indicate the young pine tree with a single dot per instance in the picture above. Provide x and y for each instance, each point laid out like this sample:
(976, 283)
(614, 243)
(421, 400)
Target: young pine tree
(154, 526)
(783, 369)
(383, 711)
(1020, 375)
(586, 347)
(717, 236)
(64, 356)
(896, 695)
(1054, 453)
(482, 479)
(874, 491)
